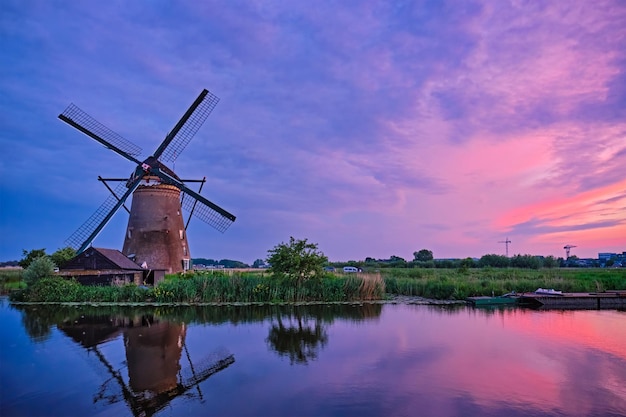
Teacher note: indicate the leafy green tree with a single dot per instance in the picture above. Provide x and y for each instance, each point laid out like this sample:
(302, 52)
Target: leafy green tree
(229, 263)
(447, 263)
(423, 255)
(526, 261)
(204, 261)
(397, 262)
(298, 260)
(258, 263)
(493, 260)
(61, 256)
(41, 267)
(30, 256)
(467, 263)
(550, 262)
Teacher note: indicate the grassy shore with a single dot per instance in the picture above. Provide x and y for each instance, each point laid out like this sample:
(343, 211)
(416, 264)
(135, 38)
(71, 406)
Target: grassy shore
(260, 287)
(214, 287)
(458, 284)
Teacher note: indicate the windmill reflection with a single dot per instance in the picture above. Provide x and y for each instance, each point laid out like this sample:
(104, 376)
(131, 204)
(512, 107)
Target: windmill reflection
(153, 355)
(296, 336)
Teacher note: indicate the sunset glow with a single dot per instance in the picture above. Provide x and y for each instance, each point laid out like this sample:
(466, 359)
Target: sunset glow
(373, 130)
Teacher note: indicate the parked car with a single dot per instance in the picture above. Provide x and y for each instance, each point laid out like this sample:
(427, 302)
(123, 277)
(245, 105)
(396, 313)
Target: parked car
(350, 269)
(329, 269)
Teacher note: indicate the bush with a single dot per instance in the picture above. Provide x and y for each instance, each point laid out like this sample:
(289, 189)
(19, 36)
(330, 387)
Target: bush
(40, 267)
(52, 290)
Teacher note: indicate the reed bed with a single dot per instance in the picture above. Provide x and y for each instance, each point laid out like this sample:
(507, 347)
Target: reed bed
(212, 288)
(247, 287)
(459, 284)
(11, 279)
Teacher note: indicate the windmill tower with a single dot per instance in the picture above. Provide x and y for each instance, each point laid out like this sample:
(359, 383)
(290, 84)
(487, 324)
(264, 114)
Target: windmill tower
(506, 243)
(156, 235)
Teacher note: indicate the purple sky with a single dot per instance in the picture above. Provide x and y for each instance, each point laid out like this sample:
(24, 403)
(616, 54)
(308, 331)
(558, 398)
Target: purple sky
(370, 128)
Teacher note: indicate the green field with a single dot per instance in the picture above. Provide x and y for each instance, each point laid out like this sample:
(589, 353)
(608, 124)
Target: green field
(261, 287)
(458, 284)
(11, 279)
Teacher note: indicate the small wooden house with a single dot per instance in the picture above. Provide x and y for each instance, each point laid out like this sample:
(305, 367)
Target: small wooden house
(100, 266)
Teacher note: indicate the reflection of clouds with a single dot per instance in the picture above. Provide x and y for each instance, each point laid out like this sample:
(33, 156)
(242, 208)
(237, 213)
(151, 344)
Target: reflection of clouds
(468, 362)
(596, 385)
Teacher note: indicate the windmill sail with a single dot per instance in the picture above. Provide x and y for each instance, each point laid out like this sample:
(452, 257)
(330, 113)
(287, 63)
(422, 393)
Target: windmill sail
(206, 213)
(74, 116)
(176, 141)
(82, 238)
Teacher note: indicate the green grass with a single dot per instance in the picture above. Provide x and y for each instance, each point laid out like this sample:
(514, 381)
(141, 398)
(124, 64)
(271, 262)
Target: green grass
(230, 287)
(11, 279)
(210, 288)
(460, 284)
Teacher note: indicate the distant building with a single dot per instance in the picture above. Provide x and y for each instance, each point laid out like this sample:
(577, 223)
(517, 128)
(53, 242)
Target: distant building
(605, 256)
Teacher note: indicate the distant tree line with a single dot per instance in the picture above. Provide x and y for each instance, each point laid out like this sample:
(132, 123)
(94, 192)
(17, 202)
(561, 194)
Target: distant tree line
(226, 263)
(424, 259)
(421, 259)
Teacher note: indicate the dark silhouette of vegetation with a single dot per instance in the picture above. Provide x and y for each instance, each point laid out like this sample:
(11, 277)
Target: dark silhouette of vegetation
(495, 261)
(30, 256)
(423, 255)
(226, 263)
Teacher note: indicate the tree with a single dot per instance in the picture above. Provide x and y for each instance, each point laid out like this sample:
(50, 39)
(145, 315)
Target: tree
(298, 260)
(423, 255)
(550, 262)
(258, 263)
(526, 261)
(41, 267)
(230, 263)
(31, 256)
(493, 260)
(61, 256)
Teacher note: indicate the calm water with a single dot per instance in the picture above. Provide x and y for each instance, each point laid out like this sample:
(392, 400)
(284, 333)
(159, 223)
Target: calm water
(370, 360)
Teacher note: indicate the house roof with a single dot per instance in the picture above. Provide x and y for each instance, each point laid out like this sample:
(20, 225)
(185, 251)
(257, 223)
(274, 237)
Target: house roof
(118, 258)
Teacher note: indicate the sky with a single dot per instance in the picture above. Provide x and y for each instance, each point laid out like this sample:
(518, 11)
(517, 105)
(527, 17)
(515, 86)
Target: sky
(370, 128)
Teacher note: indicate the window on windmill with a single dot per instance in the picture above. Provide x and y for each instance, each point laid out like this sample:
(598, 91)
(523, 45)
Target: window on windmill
(182, 234)
(129, 233)
(185, 250)
(185, 264)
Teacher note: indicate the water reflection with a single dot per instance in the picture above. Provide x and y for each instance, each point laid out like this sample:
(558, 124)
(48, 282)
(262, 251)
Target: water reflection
(298, 337)
(153, 349)
(369, 360)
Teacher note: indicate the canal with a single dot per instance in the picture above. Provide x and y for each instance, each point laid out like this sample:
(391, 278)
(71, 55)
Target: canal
(322, 360)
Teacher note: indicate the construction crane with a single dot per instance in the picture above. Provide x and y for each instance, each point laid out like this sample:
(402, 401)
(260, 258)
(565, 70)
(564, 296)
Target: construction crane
(506, 242)
(567, 248)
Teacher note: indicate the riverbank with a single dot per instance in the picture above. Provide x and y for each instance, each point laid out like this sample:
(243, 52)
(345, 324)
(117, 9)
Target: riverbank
(410, 286)
(389, 299)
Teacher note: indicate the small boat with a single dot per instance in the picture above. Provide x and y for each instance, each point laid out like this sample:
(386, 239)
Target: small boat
(506, 299)
(545, 291)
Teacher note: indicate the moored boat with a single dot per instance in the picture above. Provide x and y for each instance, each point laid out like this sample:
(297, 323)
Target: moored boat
(545, 291)
(506, 299)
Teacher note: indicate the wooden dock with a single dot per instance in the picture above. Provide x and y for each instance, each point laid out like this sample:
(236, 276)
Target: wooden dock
(576, 300)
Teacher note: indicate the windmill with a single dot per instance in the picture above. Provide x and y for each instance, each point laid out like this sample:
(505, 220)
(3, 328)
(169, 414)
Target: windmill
(506, 242)
(156, 235)
(154, 358)
(567, 249)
